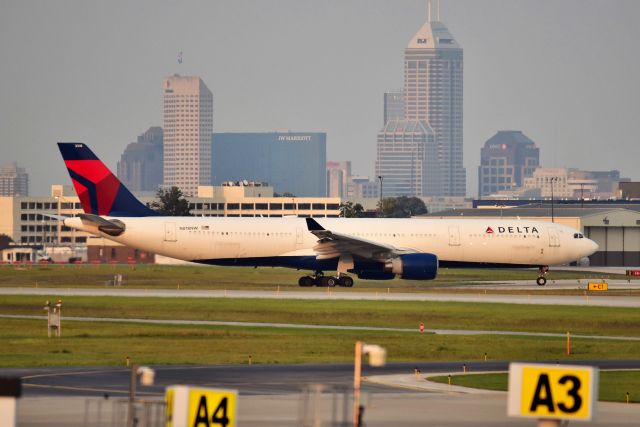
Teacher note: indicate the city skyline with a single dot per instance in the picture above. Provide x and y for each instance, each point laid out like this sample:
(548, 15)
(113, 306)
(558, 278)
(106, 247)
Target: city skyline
(528, 66)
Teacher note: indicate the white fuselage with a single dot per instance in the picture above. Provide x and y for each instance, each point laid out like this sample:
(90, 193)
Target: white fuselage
(491, 241)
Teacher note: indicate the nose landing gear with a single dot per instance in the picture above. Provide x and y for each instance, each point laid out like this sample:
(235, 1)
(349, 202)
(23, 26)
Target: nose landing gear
(542, 273)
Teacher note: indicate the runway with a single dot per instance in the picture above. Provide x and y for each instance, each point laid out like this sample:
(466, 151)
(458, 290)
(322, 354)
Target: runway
(476, 296)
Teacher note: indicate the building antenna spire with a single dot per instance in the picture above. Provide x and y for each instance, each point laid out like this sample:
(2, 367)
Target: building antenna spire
(429, 10)
(438, 12)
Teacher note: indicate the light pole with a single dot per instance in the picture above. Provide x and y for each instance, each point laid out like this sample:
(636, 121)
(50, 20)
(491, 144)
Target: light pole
(147, 377)
(377, 357)
(380, 178)
(44, 236)
(552, 180)
(58, 227)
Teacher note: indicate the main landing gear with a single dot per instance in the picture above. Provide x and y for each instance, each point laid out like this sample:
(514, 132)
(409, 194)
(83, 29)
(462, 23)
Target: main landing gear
(542, 273)
(325, 281)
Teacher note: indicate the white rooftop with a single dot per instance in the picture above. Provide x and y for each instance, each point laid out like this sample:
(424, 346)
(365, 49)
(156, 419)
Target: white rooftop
(433, 35)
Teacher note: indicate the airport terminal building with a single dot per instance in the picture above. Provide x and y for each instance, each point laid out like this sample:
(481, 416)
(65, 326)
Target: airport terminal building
(290, 162)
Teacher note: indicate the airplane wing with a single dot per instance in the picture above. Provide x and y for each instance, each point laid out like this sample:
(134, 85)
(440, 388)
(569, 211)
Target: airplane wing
(332, 245)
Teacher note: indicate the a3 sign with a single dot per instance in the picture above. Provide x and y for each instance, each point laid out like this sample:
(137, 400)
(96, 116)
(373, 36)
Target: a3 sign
(562, 392)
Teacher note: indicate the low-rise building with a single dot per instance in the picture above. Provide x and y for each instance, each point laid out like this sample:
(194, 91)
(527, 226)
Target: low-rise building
(629, 190)
(551, 182)
(247, 199)
(24, 218)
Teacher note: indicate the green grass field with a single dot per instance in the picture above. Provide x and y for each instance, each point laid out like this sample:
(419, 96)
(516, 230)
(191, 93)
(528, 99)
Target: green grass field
(613, 384)
(24, 343)
(212, 277)
(614, 321)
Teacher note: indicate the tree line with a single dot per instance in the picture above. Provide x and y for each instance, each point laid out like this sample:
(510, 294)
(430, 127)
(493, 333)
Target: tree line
(171, 202)
(391, 207)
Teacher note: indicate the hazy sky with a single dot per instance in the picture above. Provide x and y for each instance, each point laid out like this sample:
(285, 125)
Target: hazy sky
(564, 72)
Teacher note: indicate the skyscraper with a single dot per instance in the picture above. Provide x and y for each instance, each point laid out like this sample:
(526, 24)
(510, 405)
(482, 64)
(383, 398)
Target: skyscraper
(14, 181)
(140, 166)
(505, 160)
(405, 158)
(393, 106)
(188, 125)
(433, 67)
(338, 177)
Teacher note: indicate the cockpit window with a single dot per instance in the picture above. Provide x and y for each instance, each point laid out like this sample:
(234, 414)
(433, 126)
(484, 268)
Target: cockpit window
(578, 236)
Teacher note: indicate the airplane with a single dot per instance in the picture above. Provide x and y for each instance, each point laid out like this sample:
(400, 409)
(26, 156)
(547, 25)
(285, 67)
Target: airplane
(370, 248)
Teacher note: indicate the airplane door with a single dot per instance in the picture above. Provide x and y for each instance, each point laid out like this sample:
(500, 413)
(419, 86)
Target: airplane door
(298, 237)
(170, 232)
(554, 239)
(454, 235)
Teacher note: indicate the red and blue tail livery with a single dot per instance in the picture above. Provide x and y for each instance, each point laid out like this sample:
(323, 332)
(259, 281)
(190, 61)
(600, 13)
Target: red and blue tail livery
(99, 191)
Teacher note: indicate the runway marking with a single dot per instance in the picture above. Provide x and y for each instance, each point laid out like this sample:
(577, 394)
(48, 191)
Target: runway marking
(57, 374)
(98, 390)
(329, 327)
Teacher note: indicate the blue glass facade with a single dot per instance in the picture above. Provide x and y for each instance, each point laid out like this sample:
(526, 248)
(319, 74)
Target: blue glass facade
(291, 162)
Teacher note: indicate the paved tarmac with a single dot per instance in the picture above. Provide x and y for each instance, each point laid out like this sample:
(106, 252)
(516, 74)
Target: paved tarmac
(586, 299)
(271, 395)
(381, 410)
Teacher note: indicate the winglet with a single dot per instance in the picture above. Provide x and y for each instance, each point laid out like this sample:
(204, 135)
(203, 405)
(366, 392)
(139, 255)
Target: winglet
(312, 225)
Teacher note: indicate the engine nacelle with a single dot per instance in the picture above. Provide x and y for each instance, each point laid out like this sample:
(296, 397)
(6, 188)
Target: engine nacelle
(414, 266)
(375, 275)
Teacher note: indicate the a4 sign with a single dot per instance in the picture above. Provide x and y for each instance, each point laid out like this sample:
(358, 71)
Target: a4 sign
(562, 392)
(200, 407)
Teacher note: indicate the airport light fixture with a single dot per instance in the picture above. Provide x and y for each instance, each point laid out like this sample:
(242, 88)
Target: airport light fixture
(147, 378)
(380, 178)
(59, 226)
(377, 357)
(551, 180)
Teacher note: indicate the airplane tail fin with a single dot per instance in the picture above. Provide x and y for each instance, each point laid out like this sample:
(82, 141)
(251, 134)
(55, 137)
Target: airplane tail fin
(99, 191)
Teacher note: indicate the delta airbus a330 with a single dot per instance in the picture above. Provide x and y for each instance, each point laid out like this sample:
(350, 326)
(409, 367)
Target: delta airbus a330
(370, 248)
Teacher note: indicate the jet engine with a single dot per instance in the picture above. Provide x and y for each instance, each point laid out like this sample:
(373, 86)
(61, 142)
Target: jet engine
(414, 266)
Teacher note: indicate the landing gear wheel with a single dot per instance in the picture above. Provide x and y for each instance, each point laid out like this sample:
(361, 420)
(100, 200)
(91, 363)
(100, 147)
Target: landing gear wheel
(541, 281)
(306, 281)
(327, 281)
(346, 281)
